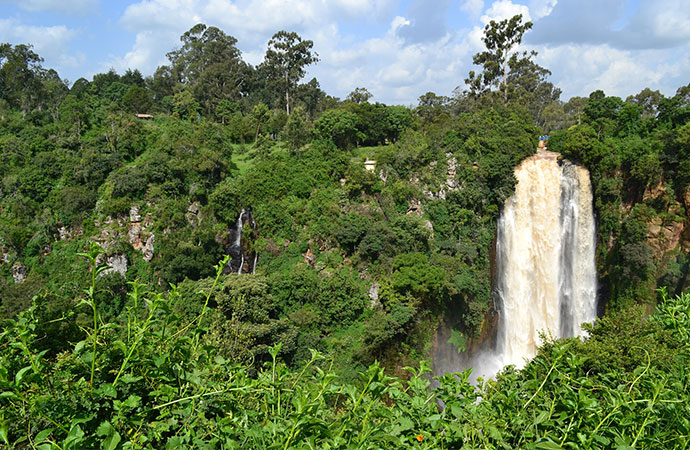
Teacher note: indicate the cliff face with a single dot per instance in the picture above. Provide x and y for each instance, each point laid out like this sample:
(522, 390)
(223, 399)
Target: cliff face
(667, 231)
(668, 235)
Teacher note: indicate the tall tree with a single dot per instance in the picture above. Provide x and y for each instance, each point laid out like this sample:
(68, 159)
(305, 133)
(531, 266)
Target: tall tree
(359, 95)
(501, 39)
(211, 64)
(54, 91)
(647, 99)
(286, 59)
(20, 76)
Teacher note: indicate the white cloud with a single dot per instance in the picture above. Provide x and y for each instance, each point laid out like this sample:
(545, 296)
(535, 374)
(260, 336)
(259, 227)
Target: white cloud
(146, 55)
(541, 8)
(395, 71)
(425, 24)
(472, 7)
(581, 69)
(505, 9)
(51, 43)
(62, 6)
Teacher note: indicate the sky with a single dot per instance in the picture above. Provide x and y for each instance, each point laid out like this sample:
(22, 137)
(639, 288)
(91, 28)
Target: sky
(397, 49)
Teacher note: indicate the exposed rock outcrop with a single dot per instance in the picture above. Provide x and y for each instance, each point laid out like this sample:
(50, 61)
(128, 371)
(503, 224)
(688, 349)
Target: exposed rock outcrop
(138, 235)
(193, 214)
(450, 184)
(117, 263)
(19, 272)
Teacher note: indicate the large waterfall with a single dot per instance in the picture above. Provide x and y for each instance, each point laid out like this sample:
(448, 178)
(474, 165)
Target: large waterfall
(545, 270)
(545, 276)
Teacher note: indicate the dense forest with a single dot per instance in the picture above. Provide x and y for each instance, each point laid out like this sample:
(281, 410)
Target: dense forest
(121, 327)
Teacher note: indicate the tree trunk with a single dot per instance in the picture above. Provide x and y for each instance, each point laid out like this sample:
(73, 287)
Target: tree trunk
(505, 80)
(287, 94)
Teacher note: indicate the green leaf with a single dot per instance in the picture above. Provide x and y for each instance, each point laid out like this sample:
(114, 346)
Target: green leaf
(159, 360)
(107, 390)
(542, 417)
(80, 345)
(43, 435)
(74, 437)
(104, 429)
(129, 378)
(8, 394)
(548, 445)
(110, 443)
(601, 439)
(101, 268)
(3, 433)
(120, 346)
(132, 401)
(405, 423)
(458, 340)
(20, 375)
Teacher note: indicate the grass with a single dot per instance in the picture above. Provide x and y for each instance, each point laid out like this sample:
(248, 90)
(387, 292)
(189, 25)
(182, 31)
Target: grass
(364, 153)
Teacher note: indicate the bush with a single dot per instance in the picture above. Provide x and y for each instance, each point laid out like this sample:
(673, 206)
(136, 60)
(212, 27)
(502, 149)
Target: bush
(351, 229)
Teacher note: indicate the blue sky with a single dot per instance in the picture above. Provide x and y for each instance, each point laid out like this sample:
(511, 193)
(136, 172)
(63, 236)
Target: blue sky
(397, 49)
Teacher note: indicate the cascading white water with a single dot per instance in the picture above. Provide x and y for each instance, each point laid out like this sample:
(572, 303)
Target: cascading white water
(546, 276)
(241, 259)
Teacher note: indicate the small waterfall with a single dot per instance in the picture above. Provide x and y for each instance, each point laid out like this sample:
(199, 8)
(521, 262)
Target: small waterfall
(545, 265)
(240, 258)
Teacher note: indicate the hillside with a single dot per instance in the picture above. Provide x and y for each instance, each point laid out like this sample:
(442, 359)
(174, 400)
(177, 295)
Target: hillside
(131, 314)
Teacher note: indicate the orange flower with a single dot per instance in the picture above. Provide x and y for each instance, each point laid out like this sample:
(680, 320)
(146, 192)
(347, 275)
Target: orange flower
(420, 438)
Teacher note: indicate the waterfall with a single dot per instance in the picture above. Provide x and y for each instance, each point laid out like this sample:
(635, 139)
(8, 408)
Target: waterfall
(239, 258)
(546, 276)
(235, 247)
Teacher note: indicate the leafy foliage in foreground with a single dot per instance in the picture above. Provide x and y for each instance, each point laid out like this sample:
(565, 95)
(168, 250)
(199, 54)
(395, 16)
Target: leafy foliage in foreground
(153, 380)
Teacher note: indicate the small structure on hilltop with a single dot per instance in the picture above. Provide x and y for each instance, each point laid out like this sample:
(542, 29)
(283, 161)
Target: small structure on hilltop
(144, 116)
(370, 165)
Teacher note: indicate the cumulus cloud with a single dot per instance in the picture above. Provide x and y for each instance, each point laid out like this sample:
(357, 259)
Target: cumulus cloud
(472, 7)
(51, 43)
(541, 8)
(577, 21)
(590, 45)
(505, 9)
(62, 6)
(413, 55)
(583, 68)
(659, 24)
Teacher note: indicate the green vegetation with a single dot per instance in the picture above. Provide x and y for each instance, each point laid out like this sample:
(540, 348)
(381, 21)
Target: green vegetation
(155, 379)
(357, 268)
